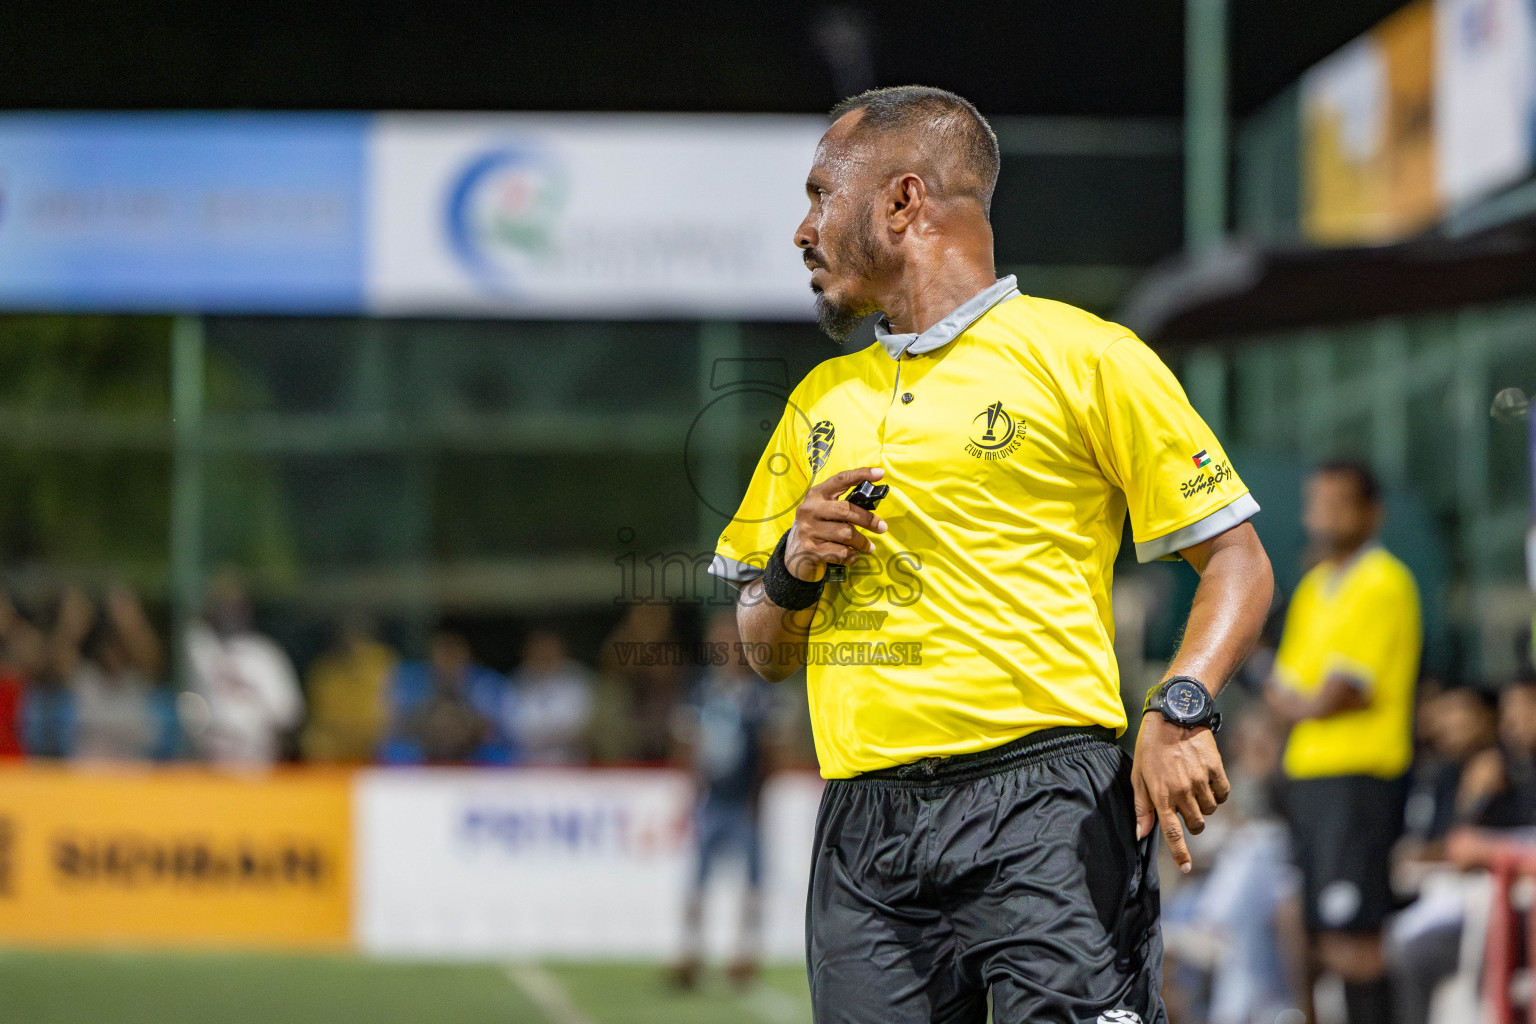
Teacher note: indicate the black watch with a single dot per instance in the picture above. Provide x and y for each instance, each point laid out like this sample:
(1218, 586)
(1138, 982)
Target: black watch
(1184, 700)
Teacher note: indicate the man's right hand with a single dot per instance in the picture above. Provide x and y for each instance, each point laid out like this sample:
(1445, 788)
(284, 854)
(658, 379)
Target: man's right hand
(826, 529)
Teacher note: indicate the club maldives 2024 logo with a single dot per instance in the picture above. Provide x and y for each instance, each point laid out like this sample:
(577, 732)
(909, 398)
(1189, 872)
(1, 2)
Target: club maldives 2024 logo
(502, 212)
(995, 433)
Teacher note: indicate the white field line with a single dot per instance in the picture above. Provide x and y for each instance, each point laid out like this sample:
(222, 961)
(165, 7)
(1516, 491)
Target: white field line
(772, 1006)
(546, 992)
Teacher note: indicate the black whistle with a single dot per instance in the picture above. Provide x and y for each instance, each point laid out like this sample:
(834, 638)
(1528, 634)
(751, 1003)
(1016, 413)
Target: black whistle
(866, 496)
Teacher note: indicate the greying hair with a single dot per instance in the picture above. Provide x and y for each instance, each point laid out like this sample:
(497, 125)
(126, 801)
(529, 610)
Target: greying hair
(949, 128)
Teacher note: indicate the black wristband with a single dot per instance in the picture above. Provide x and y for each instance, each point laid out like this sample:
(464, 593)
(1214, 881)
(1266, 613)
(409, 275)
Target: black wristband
(784, 588)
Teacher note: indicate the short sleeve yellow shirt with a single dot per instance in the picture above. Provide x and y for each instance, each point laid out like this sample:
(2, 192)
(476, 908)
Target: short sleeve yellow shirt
(1015, 437)
(1359, 620)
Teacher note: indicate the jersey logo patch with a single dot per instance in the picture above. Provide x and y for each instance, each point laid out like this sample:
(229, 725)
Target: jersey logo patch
(995, 433)
(820, 445)
(1119, 1017)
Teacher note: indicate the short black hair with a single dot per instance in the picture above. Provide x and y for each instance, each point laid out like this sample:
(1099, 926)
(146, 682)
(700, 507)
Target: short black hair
(952, 123)
(1367, 486)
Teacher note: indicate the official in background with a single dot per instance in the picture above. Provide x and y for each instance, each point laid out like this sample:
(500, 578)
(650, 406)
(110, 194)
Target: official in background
(1344, 680)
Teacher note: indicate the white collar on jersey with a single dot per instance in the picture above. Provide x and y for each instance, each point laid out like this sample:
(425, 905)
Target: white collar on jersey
(948, 329)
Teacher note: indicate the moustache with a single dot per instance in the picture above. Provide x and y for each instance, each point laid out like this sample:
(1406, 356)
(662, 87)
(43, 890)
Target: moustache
(814, 260)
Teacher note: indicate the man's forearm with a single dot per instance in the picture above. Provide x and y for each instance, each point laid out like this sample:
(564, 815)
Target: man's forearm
(1229, 609)
(827, 530)
(1288, 706)
(765, 627)
(1177, 771)
(1338, 694)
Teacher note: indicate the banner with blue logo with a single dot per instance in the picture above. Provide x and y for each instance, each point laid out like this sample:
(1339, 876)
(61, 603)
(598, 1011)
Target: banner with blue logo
(589, 215)
(562, 863)
(405, 214)
(182, 212)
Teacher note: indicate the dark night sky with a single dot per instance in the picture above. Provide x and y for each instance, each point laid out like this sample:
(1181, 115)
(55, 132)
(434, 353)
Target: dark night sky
(1033, 57)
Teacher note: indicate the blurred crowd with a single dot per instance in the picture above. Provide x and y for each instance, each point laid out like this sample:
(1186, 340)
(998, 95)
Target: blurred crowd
(1235, 931)
(89, 678)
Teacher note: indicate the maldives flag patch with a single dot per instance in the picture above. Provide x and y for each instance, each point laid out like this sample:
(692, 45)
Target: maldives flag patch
(1201, 459)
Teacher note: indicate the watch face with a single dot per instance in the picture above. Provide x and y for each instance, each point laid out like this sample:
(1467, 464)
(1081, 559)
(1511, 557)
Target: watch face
(1185, 700)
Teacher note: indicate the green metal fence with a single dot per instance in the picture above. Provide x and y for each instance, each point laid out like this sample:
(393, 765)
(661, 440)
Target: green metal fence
(1412, 397)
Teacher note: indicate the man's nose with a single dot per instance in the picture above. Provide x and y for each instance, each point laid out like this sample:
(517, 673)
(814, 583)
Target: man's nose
(805, 235)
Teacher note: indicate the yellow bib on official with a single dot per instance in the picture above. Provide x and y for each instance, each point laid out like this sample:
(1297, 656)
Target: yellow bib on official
(1361, 620)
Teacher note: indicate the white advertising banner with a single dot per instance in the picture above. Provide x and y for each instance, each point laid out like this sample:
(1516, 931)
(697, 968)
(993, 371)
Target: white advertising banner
(588, 215)
(1483, 95)
(563, 863)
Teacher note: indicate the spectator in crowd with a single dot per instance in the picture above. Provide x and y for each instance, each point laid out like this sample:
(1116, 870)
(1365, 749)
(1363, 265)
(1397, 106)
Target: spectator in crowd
(1468, 782)
(724, 731)
(549, 707)
(120, 704)
(446, 710)
(1460, 777)
(642, 674)
(21, 658)
(1343, 680)
(348, 695)
(249, 693)
(1517, 736)
(96, 691)
(48, 712)
(1425, 717)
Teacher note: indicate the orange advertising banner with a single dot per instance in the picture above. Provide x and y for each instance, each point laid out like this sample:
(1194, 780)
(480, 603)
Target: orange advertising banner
(1368, 134)
(175, 857)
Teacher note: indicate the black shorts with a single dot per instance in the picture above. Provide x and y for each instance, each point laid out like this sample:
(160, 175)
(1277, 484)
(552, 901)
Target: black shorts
(1016, 870)
(1343, 828)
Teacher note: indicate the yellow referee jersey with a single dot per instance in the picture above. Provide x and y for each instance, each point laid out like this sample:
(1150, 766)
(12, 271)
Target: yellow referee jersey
(1014, 435)
(1360, 619)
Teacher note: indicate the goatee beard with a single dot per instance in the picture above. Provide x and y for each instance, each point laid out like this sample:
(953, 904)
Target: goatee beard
(838, 321)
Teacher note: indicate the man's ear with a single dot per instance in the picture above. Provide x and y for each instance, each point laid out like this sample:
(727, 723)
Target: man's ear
(908, 194)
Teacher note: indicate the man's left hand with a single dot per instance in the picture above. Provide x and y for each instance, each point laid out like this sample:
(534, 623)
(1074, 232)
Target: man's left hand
(1176, 771)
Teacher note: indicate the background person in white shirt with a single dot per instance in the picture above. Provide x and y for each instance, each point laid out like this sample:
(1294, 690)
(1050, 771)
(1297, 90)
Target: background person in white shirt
(549, 710)
(246, 680)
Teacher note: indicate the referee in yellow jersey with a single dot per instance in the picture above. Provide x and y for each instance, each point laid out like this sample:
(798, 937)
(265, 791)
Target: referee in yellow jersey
(981, 830)
(1344, 680)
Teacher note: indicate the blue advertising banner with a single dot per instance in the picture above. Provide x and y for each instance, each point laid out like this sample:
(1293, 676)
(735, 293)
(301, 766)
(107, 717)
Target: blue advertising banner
(405, 214)
(182, 212)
